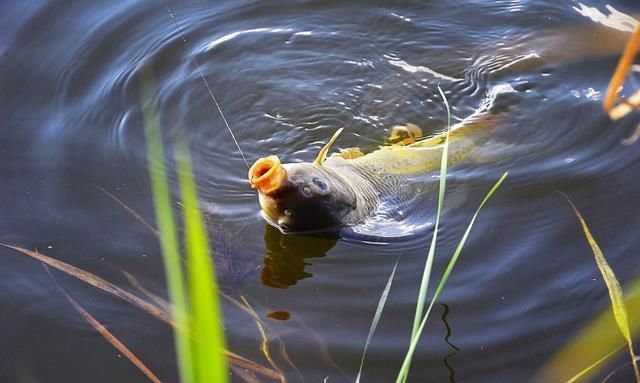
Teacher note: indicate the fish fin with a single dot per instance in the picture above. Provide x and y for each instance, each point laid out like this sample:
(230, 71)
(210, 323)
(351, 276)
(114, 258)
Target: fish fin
(350, 153)
(415, 131)
(323, 152)
(431, 141)
(405, 134)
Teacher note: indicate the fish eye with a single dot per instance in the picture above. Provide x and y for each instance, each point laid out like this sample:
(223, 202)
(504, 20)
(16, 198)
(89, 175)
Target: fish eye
(306, 190)
(320, 184)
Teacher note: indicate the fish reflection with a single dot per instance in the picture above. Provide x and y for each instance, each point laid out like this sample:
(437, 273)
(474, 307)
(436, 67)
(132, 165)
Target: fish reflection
(284, 262)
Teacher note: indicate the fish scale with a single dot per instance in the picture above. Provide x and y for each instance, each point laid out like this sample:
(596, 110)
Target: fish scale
(395, 180)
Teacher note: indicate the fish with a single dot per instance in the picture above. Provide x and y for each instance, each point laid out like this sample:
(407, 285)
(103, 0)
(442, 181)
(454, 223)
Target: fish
(349, 187)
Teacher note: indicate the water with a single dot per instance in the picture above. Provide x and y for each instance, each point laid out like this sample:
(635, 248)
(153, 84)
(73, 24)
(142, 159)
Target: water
(288, 75)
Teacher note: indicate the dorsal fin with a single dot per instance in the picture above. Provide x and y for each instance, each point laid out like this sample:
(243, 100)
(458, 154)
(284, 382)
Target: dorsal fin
(323, 152)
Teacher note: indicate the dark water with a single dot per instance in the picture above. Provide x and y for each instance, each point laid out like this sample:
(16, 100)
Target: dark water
(287, 75)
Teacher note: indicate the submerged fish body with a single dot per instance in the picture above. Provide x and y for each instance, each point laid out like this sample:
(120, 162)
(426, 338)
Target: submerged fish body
(356, 190)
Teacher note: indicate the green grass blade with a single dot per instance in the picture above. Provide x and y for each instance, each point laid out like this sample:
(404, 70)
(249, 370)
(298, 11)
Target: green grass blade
(426, 274)
(424, 284)
(406, 365)
(591, 343)
(166, 226)
(376, 318)
(615, 291)
(207, 326)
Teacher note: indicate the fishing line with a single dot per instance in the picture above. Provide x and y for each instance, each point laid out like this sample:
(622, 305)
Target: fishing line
(197, 65)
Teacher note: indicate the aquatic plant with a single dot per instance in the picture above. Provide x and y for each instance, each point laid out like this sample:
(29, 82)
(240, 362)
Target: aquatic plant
(424, 284)
(106, 334)
(158, 310)
(376, 318)
(604, 336)
(615, 291)
(199, 328)
(420, 317)
(420, 320)
(406, 365)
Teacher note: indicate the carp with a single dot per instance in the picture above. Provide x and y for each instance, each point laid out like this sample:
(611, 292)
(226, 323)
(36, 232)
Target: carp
(348, 187)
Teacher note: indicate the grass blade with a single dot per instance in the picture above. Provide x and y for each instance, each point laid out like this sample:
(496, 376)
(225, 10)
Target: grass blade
(96, 281)
(150, 309)
(406, 365)
(208, 340)
(242, 362)
(588, 349)
(166, 226)
(376, 318)
(613, 285)
(115, 342)
(130, 211)
(163, 304)
(424, 284)
(106, 334)
(244, 375)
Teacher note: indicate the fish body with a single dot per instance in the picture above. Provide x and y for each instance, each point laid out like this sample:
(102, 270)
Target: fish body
(349, 188)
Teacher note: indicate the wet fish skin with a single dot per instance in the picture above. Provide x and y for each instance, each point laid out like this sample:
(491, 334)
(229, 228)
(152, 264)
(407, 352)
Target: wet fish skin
(342, 190)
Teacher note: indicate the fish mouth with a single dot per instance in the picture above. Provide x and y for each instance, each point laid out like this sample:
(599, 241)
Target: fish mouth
(282, 228)
(267, 174)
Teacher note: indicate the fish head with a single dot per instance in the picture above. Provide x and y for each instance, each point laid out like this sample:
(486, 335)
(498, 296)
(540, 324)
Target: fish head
(301, 197)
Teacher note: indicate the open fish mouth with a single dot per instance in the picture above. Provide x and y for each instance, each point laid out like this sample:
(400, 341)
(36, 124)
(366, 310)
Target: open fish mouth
(267, 174)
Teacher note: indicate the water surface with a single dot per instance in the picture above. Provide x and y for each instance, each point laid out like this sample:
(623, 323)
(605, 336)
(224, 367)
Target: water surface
(287, 75)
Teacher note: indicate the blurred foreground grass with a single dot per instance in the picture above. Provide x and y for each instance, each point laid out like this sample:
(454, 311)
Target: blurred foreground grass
(199, 331)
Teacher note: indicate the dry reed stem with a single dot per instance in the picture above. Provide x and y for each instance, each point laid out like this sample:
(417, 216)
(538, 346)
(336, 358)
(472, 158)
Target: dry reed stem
(152, 310)
(130, 210)
(244, 375)
(264, 347)
(162, 303)
(96, 281)
(625, 107)
(106, 334)
(624, 65)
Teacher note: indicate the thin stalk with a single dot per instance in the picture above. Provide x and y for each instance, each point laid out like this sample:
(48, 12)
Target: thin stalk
(167, 227)
(424, 284)
(376, 318)
(208, 337)
(406, 364)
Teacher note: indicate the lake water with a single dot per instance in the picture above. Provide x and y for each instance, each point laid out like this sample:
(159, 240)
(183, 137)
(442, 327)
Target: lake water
(287, 75)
